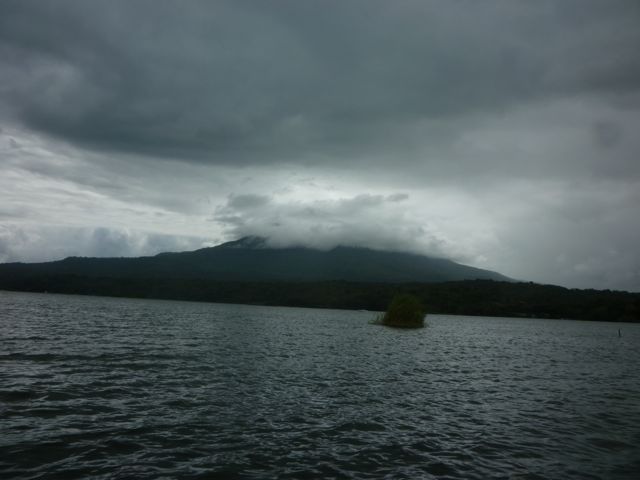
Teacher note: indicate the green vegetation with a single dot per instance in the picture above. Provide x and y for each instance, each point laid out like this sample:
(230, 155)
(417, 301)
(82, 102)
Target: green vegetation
(349, 278)
(404, 311)
(472, 297)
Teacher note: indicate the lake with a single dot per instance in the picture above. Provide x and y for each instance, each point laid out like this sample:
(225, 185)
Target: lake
(122, 388)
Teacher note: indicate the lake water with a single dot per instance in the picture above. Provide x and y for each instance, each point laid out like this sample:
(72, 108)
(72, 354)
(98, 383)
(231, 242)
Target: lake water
(116, 388)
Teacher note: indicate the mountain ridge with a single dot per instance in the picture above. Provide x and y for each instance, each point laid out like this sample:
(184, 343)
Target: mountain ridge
(246, 271)
(251, 259)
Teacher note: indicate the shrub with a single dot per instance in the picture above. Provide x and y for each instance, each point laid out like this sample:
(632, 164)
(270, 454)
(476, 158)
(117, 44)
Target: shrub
(404, 311)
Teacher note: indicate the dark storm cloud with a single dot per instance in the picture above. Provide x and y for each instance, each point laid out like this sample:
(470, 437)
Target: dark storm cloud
(509, 127)
(607, 134)
(243, 82)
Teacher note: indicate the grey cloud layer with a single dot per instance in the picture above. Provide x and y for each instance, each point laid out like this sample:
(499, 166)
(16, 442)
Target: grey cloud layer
(502, 132)
(46, 243)
(264, 82)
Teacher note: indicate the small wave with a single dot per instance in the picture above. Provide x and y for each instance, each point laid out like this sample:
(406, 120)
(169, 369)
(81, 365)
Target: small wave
(198, 396)
(11, 396)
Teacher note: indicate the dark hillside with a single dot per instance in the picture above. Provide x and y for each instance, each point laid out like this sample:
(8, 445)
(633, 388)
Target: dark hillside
(249, 261)
(471, 297)
(246, 271)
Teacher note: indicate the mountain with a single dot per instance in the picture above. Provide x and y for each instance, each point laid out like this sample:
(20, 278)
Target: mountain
(248, 271)
(250, 259)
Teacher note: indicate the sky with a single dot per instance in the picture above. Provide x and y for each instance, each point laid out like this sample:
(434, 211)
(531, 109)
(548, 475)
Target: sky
(503, 134)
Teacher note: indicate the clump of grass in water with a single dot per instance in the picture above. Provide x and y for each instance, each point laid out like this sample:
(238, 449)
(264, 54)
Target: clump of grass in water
(404, 311)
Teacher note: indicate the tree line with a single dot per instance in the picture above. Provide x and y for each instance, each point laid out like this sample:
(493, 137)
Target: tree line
(470, 297)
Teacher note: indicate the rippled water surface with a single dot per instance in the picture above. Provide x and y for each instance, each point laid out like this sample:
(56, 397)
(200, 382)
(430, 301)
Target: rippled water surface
(116, 388)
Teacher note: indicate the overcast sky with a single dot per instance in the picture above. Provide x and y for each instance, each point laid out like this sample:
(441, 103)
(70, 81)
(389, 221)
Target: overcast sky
(503, 134)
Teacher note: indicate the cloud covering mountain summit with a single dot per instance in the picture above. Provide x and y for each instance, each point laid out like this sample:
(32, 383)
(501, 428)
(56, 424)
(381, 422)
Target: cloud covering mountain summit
(510, 126)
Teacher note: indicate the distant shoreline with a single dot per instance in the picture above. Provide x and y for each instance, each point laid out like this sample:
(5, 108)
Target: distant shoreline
(470, 297)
